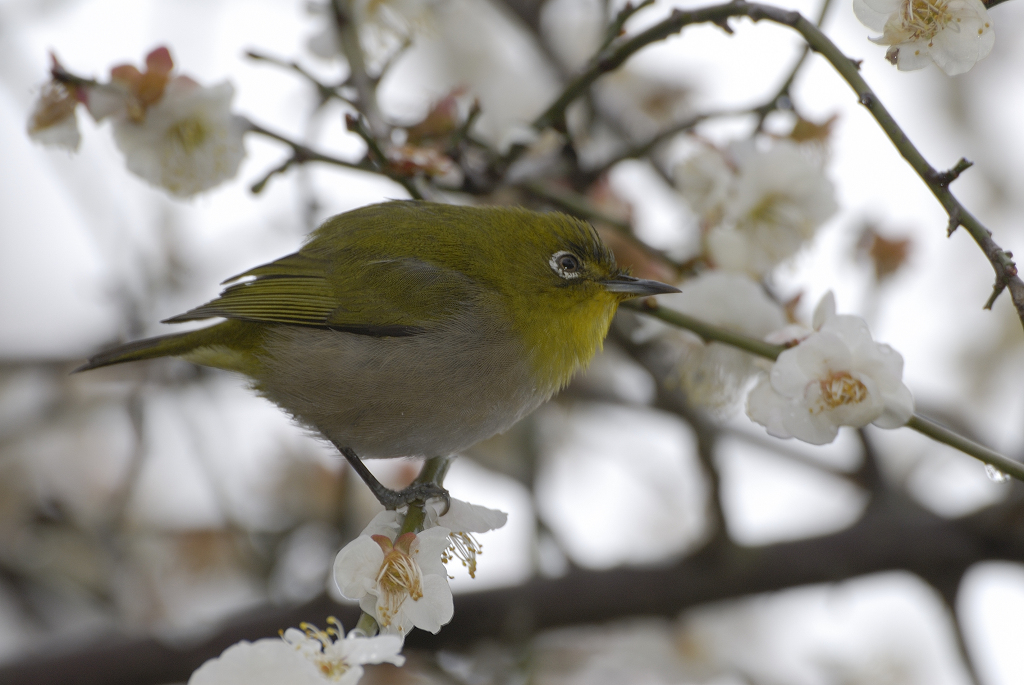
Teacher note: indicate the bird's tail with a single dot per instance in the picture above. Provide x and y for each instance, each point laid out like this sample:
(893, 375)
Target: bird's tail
(173, 345)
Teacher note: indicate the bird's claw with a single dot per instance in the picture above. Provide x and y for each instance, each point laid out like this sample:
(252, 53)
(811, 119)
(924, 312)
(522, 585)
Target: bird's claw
(417, 492)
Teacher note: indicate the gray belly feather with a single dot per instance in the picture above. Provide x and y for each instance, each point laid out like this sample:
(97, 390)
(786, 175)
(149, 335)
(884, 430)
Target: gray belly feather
(431, 394)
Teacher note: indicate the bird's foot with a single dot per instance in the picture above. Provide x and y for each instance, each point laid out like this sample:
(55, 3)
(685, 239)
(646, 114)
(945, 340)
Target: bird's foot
(417, 492)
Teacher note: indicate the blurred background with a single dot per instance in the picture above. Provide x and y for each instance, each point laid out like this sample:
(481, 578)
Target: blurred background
(653, 537)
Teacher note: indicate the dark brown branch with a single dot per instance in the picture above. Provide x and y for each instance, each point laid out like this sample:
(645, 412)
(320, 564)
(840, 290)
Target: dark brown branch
(616, 27)
(894, 534)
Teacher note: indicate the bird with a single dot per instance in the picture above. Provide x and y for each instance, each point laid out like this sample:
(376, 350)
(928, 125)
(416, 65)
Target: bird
(411, 328)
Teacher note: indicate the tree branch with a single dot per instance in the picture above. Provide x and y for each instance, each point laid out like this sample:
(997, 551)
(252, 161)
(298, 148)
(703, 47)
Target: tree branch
(746, 343)
(300, 155)
(325, 91)
(614, 55)
(351, 48)
(783, 92)
(894, 534)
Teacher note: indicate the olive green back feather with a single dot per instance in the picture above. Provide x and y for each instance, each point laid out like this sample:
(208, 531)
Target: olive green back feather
(399, 268)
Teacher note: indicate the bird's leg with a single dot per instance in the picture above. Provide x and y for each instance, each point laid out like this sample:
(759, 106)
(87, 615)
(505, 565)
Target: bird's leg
(421, 489)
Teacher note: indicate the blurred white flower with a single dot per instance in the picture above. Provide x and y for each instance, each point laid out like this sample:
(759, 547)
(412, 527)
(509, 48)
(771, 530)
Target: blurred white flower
(705, 181)
(836, 376)
(53, 122)
(758, 207)
(401, 583)
(462, 520)
(300, 657)
(955, 34)
(714, 375)
(643, 104)
(188, 142)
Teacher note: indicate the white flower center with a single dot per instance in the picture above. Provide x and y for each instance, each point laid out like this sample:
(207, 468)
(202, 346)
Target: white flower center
(922, 19)
(189, 134)
(839, 389)
(769, 209)
(332, 667)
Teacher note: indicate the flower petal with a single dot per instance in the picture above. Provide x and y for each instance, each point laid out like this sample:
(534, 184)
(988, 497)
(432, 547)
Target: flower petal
(825, 310)
(270, 661)
(435, 608)
(463, 517)
(356, 567)
(368, 650)
(899, 407)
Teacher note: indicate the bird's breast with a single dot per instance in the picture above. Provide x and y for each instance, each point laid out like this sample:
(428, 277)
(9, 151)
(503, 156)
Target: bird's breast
(430, 394)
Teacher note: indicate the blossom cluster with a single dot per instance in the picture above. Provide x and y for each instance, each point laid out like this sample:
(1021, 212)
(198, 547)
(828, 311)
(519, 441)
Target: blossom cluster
(173, 132)
(399, 579)
(757, 206)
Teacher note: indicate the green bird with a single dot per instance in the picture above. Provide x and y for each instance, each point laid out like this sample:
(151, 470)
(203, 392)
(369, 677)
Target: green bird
(412, 328)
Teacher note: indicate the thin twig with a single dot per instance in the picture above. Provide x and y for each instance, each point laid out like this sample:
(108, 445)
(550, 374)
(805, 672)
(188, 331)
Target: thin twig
(615, 28)
(366, 87)
(301, 154)
(922, 425)
(942, 434)
(657, 139)
(783, 92)
(708, 332)
(375, 154)
(325, 91)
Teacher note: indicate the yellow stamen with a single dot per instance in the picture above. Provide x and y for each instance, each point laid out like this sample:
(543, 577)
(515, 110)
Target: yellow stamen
(399, 577)
(839, 389)
(465, 548)
(188, 133)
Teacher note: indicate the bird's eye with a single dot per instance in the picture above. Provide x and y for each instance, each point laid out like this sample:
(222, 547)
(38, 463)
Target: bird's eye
(565, 264)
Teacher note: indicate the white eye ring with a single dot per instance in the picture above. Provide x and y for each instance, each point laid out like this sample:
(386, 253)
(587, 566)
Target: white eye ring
(568, 270)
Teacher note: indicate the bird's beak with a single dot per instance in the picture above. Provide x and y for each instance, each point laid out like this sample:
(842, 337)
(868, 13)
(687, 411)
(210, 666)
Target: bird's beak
(636, 287)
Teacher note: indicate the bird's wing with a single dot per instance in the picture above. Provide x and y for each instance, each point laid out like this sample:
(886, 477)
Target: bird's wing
(385, 297)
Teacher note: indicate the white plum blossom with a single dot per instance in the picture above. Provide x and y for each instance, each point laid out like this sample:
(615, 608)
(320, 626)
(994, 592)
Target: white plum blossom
(955, 34)
(173, 132)
(757, 207)
(705, 181)
(835, 376)
(402, 582)
(300, 657)
(188, 142)
(714, 375)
